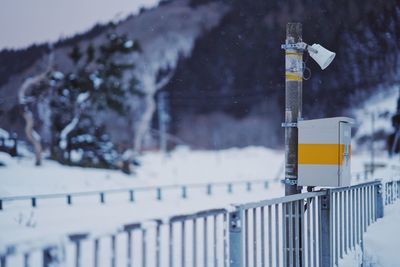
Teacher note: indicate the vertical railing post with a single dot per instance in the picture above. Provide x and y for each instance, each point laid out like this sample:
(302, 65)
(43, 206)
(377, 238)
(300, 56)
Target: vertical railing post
(69, 199)
(379, 201)
(184, 192)
(159, 196)
(266, 185)
(248, 186)
(391, 192)
(77, 239)
(209, 190)
(235, 238)
(326, 226)
(131, 196)
(27, 261)
(3, 261)
(385, 193)
(96, 248)
(51, 256)
(158, 243)
(398, 189)
(113, 251)
(230, 188)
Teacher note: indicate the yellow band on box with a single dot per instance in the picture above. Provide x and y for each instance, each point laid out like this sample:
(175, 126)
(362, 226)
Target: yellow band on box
(329, 154)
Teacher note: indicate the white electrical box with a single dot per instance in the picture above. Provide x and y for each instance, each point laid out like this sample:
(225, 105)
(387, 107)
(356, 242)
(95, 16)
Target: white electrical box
(324, 152)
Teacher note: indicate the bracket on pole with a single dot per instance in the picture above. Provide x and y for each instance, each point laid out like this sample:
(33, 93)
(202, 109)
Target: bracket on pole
(289, 124)
(289, 181)
(297, 46)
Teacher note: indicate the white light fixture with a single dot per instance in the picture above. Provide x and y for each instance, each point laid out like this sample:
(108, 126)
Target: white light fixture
(320, 54)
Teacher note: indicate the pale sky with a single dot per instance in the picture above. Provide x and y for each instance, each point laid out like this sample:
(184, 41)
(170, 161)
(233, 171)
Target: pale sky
(24, 22)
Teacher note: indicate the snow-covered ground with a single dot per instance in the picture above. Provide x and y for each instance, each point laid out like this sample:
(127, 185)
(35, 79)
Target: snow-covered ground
(183, 166)
(53, 218)
(382, 240)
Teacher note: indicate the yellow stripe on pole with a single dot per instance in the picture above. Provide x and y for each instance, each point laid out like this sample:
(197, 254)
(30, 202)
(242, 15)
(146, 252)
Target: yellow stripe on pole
(329, 154)
(294, 54)
(293, 77)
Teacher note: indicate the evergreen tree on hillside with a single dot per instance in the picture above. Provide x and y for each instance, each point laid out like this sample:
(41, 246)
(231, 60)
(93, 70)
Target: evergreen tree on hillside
(96, 83)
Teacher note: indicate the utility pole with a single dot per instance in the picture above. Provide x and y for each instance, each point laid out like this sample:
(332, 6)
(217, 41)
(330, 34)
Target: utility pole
(293, 110)
(293, 104)
(163, 119)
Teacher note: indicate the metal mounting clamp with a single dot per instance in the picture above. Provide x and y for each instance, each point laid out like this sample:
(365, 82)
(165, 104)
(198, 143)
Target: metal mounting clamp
(289, 181)
(298, 46)
(289, 124)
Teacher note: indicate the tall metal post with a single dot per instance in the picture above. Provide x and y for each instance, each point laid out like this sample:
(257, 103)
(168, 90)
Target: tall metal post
(163, 119)
(379, 206)
(235, 238)
(326, 234)
(293, 110)
(293, 105)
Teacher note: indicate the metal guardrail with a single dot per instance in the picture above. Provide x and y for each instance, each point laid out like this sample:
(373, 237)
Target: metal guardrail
(322, 227)
(263, 233)
(157, 190)
(350, 211)
(392, 192)
(131, 192)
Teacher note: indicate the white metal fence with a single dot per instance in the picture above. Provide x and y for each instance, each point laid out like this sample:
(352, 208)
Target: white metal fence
(309, 229)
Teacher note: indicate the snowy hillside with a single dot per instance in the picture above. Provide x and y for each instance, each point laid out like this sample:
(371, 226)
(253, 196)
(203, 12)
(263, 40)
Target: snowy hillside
(165, 34)
(221, 63)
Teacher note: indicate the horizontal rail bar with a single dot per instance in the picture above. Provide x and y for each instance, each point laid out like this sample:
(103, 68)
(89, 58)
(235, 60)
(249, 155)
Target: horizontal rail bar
(200, 214)
(128, 189)
(279, 200)
(344, 188)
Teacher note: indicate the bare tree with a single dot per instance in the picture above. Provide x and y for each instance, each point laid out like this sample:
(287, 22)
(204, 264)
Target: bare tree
(24, 100)
(150, 107)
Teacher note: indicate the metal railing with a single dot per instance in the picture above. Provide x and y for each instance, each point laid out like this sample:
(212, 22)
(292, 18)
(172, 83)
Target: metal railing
(263, 233)
(157, 191)
(392, 191)
(130, 193)
(350, 210)
(308, 229)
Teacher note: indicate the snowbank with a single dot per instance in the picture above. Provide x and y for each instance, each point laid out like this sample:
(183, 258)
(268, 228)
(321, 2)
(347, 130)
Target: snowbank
(382, 240)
